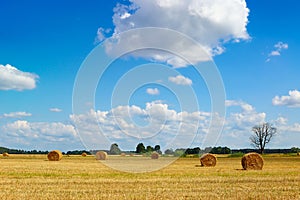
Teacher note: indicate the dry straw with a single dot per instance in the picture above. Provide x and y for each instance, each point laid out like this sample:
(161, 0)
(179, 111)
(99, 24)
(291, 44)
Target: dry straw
(208, 160)
(154, 155)
(101, 155)
(84, 154)
(5, 154)
(55, 155)
(123, 154)
(252, 161)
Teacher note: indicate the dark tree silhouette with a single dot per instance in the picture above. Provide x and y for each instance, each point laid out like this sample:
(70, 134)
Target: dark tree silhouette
(149, 148)
(262, 136)
(157, 149)
(140, 148)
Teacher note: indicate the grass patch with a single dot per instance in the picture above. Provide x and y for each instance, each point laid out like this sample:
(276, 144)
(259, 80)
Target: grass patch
(236, 155)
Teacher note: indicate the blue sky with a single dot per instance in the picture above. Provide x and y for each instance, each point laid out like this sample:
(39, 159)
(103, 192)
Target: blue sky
(43, 45)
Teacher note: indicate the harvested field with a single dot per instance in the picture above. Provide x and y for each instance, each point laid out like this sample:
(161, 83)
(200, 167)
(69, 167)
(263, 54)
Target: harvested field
(76, 177)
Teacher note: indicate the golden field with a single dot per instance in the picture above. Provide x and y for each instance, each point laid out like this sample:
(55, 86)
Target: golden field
(34, 177)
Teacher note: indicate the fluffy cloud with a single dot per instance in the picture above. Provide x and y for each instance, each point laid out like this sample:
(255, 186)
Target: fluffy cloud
(245, 119)
(292, 100)
(238, 124)
(292, 128)
(180, 80)
(13, 79)
(55, 110)
(101, 34)
(129, 125)
(16, 115)
(278, 47)
(245, 106)
(39, 135)
(158, 124)
(208, 22)
(152, 91)
(281, 121)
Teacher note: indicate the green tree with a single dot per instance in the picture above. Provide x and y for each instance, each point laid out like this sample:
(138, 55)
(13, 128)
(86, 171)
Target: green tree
(295, 150)
(157, 149)
(179, 152)
(169, 151)
(149, 148)
(140, 148)
(114, 149)
(220, 150)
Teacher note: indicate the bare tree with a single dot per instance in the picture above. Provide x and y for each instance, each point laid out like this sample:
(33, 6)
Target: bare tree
(262, 136)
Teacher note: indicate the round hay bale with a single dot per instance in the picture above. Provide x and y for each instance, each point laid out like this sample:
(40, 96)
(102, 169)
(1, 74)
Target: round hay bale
(154, 155)
(123, 154)
(5, 154)
(55, 155)
(84, 154)
(298, 154)
(208, 160)
(252, 161)
(101, 155)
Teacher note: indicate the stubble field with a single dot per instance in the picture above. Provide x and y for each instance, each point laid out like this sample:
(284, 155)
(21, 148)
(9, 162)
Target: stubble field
(75, 177)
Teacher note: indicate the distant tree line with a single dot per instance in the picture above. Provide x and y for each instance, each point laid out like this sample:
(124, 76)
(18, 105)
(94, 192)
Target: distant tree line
(141, 149)
(20, 151)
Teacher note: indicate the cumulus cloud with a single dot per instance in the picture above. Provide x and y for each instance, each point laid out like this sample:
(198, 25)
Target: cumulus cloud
(292, 100)
(152, 91)
(158, 124)
(102, 34)
(278, 48)
(245, 106)
(16, 115)
(180, 80)
(291, 128)
(208, 22)
(13, 79)
(281, 121)
(40, 135)
(129, 125)
(55, 109)
(239, 123)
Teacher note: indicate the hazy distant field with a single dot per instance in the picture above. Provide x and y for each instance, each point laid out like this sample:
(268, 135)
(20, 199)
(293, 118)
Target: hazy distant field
(76, 177)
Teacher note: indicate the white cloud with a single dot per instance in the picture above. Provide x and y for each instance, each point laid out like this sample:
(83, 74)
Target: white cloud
(278, 47)
(281, 121)
(158, 124)
(16, 115)
(245, 106)
(208, 22)
(39, 135)
(129, 125)
(152, 91)
(245, 119)
(55, 110)
(180, 80)
(292, 100)
(274, 53)
(102, 34)
(13, 79)
(291, 128)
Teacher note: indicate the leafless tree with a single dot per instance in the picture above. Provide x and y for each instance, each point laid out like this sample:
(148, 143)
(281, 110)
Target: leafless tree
(262, 136)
